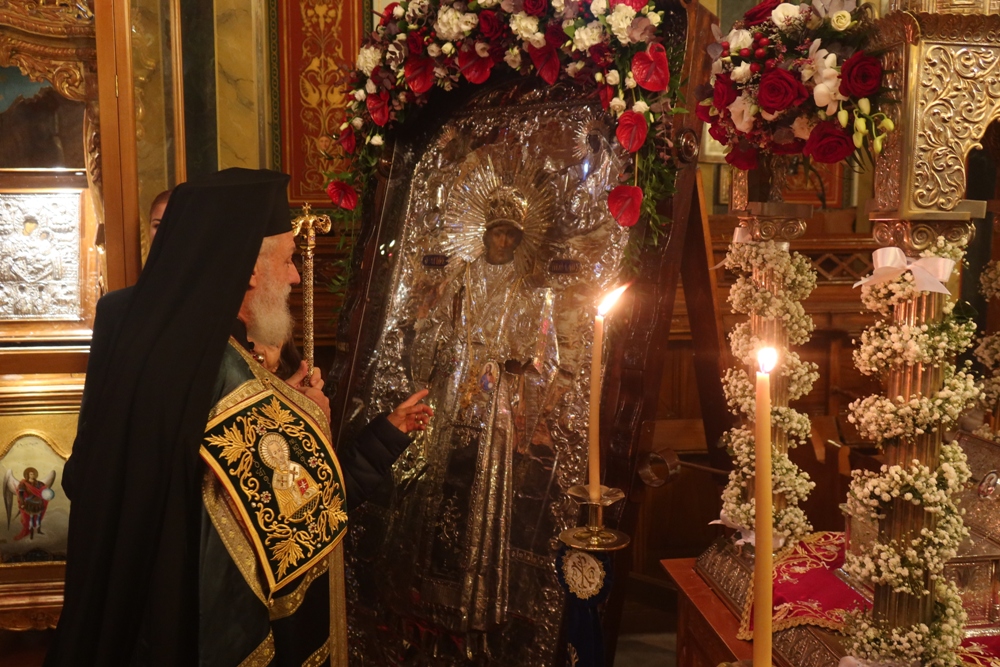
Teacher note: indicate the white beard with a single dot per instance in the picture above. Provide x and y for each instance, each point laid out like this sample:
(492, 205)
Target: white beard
(270, 320)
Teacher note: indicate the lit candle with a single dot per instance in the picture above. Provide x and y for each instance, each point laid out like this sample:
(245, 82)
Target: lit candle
(595, 393)
(763, 538)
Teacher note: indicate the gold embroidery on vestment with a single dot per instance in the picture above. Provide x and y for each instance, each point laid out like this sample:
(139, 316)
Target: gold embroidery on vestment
(319, 657)
(262, 655)
(231, 532)
(287, 605)
(338, 609)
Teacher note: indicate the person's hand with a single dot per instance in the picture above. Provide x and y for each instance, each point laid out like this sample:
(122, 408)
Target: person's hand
(412, 415)
(312, 386)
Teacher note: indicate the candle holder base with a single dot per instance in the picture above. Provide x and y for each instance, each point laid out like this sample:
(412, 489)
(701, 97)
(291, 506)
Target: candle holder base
(595, 536)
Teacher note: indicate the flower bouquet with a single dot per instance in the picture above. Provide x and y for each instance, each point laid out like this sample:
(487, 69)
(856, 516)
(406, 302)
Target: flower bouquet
(614, 48)
(796, 79)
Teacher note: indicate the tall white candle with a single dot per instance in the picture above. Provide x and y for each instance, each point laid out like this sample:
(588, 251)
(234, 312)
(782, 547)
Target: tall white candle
(763, 600)
(595, 394)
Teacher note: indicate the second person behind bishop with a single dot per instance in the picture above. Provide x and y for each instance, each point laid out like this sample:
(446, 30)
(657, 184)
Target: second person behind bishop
(220, 541)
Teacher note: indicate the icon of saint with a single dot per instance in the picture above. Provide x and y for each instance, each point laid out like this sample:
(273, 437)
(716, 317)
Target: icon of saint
(33, 496)
(294, 489)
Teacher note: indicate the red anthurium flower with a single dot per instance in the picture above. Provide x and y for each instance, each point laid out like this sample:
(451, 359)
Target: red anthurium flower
(650, 68)
(625, 203)
(387, 13)
(378, 107)
(474, 67)
(631, 131)
(419, 74)
(546, 61)
(606, 93)
(347, 140)
(342, 194)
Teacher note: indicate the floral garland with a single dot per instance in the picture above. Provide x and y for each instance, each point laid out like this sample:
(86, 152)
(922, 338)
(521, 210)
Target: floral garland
(988, 354)
(796, 79)
(792, 279)
(614, 48)
(907, 565)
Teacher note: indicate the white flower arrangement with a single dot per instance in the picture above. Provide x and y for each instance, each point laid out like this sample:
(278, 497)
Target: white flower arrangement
(790, 278)
(911, 565)
(989, 280)
(935, 645)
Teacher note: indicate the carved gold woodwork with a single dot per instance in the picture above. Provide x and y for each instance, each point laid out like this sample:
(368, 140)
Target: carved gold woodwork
(942, 70)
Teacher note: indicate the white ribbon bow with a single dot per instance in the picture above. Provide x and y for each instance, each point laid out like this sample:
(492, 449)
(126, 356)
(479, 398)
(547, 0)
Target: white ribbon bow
(740, 235)
(929, 273)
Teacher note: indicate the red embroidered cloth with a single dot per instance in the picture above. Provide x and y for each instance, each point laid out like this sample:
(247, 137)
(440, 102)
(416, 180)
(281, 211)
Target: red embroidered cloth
(808, 592)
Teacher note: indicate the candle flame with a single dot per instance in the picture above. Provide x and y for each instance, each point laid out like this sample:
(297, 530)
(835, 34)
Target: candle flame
(610, 300)
(767, 357)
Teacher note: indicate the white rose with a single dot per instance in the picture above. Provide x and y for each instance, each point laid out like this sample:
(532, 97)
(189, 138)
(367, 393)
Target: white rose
(786, 16)
(447, 48)
(368, 59)
(617, 105)
(433, 50)
(357, 122)
(513, 58)
(523, 26)
(742, 113)
(840, 21)
(360, 95)
(640, 107)
(630, 81)
(482, 49)
(588, 35)
(599, 7)
(469, 21)
(559, 6)
(613, 77)
(398, 11)
(488, 3)
(370, 87)
(739, 39)
(537, 40)
(655, 18)
(573, 68)
(620, 20)
(451, 24)
(742, 73)
(377, 140)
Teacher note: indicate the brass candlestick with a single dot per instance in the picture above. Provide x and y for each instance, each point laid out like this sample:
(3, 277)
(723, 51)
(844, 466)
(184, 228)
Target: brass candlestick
(595, 536)
(305, 228)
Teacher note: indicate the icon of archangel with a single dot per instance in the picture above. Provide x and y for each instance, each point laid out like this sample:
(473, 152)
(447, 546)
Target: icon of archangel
(500, 334)
(32, 495)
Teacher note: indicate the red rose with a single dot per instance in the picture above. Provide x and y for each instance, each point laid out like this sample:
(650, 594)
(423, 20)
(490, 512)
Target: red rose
(704, 111)
(489, 24)
(342, 194)
(473, 67)
(780, 89)
(828, 142)
(535, 7)
(554, 34)
(793, 147)
(600, 54)
(651, 70)
(743, 156)
(546, 61)
(378, 107)
(419, 73)
(625, 204)
(718, 132)
(606, 93)
(725, 92)
(631, 131)
(347, 140)
(860, 76)
(760, 13)
(637, 5)
(415, 43)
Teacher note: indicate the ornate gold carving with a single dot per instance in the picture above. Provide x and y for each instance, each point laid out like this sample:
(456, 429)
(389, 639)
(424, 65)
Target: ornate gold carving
(584, 574)
(914, 237)
(895, 31)
(63, 66)
(62, 18)
(773, 228)
(306, 227)
(739, 190)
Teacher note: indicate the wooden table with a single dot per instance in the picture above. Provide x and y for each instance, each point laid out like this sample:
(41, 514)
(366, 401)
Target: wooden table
(706, 629)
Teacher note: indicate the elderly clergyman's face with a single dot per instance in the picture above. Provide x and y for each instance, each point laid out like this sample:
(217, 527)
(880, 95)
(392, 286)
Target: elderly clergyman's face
(270, 321)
